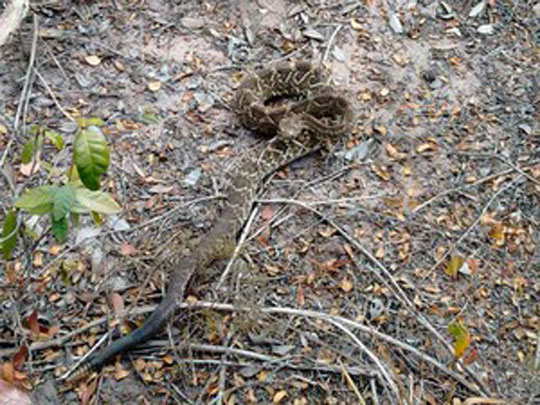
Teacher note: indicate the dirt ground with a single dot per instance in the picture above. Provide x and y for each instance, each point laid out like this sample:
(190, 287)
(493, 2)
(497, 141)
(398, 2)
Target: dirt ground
(356, 263)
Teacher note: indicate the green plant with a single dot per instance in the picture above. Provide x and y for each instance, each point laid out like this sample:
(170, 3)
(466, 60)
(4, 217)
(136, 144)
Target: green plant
(79, 192)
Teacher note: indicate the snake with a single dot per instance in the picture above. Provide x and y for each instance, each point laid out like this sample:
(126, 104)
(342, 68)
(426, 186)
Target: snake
(293, 105)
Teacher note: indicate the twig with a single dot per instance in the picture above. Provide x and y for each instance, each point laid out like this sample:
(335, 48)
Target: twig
(272, 310)
(351, 383)
(369, 353)
(330, 41)
(51, 93)
(476, 183)
(389, 281)
(471, 227)
(13, 14)
(29, 70)
(83, 358)
(238, 247)
(318, 366)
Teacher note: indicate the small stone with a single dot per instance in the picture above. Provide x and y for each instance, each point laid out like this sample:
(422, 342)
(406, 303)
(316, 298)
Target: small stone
(486, 29)
(193, 177)
(395, 24)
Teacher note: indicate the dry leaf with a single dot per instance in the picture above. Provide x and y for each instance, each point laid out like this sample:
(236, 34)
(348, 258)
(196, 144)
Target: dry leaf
(427, 147)
(471, 357)
(88, 392)
(346, 285)
(20, 357)
(462, 337)
(93, 60)
(154, 86)
(453, 266)
(7, 372)
(355, 25)
(498, 234)
(267, 213)
(117, 303)
(394, 152)
(327, 232)
(118, 65)
(33, 323)
(29, 169)
(120, 374)
(382, 172)
(127, 250)
(279, 396)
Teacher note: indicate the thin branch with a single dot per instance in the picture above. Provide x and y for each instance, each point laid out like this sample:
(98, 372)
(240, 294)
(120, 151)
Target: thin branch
(27, 78)
(472, 226)
(389, 281)
(269, 310)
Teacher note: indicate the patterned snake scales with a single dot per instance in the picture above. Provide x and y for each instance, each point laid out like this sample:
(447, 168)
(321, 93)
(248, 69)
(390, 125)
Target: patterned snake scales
(312, 115)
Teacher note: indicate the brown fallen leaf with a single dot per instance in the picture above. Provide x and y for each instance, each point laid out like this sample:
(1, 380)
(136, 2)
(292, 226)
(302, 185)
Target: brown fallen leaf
(33, 323)
(88, 392)
(280, 395)
(93, 60)
(381, 172)
(127, 249)
(117, 303)
(20, 357)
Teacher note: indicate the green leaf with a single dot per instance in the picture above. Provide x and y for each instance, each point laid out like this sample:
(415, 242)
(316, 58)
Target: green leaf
(98, 219)
(89, 122)
(10, 225)
(149, 117)
(63, 202)
(55, 138)
(34, 129)
(97, 201)
(60, 229)
(28, 151)
(75, 218)
(39, 200)
(91, 155)
(462, 337)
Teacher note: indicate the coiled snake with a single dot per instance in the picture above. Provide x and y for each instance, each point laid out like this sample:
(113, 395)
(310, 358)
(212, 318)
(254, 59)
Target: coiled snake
(311, 115)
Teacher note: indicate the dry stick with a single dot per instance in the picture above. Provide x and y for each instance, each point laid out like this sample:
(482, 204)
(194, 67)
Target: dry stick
(11, 18)
(369, 353)
(329, 45)
(239, 246)
(476, 183)
(26, 87)
(472, 226)
(267, 310)
(223, 368)
(353, 324)
(351, 383)
(83, 358)
(318, 366)
(51, 93)
(388, 281)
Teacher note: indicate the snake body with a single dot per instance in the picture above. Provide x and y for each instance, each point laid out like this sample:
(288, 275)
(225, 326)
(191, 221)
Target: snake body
(312, 115)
